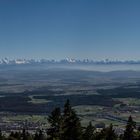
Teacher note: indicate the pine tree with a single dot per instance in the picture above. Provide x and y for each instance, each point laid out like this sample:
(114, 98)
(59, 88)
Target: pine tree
(40, 136)
(24, 137)
(129, 131)
(88, 134)
(67, 109)
(36, 136)
(110, 134)
(100, 135)
(55, 120)
(16, 135)
(1, 135)
(72, 129)
(138, 133)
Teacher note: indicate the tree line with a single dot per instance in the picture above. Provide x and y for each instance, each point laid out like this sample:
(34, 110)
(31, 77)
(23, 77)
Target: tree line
(66, 125)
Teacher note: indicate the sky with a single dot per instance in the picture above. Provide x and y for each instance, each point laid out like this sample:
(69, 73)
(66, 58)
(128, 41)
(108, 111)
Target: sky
(57, 29)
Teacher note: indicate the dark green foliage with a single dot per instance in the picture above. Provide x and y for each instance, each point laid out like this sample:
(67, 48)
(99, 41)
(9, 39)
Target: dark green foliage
(88, 134)
(110, 134)
(67, 109)
(20, 136)
(55, 120)
(1, 136)
(129, 131)
(24, 135)
(40, 136)
(15, 135)
(72, 129)
(100, 135)
(106, 134)
(36, 136)
(64, 126)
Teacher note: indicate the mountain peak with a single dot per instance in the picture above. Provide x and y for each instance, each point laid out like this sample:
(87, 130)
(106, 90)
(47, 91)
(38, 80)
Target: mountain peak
(6, 61)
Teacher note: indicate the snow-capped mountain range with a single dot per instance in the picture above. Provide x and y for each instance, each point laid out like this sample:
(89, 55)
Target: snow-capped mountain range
(6, 61)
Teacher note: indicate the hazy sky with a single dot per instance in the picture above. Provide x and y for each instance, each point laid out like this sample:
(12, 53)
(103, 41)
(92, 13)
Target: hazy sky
(94, 29)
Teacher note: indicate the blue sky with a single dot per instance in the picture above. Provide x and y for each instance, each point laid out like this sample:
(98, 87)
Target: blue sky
(94, 29)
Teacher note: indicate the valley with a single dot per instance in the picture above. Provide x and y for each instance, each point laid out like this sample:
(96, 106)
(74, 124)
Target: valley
(27, 96)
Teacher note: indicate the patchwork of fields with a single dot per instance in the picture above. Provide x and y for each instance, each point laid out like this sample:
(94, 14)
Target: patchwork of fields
(100, 97)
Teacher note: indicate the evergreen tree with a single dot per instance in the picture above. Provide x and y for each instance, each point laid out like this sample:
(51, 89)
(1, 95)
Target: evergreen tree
(1, 135)
(24, 137)
(72, 129)
(129, 131)
(100, 135)
(16, 136)
(138, 133)
(40, 136)
(55, 120)
(88, 134)
(36, 136)
(106, 134)
(110, 134)
(67, 109)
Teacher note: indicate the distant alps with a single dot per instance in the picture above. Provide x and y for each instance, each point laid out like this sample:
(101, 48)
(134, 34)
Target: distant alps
(6, 61)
